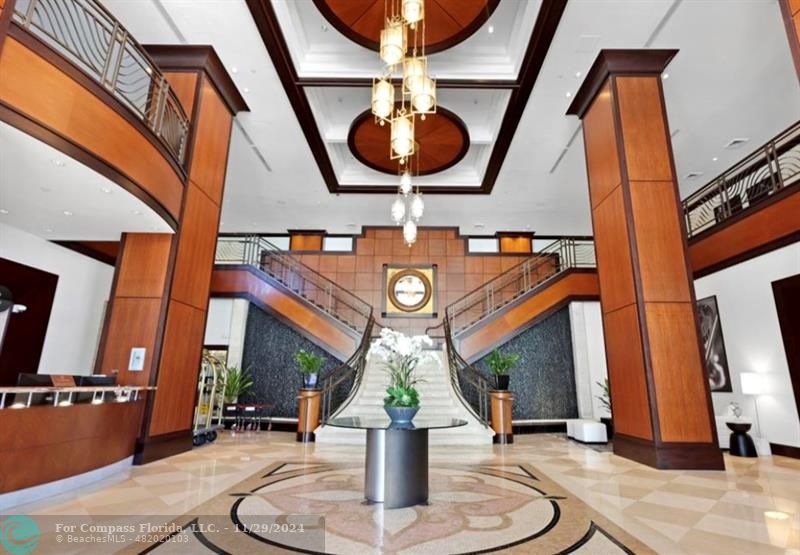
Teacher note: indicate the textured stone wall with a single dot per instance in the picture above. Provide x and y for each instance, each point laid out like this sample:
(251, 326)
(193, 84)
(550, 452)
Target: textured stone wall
(543, 382)
(269, 348)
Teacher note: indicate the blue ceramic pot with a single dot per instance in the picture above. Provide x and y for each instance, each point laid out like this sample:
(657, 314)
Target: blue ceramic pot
(400, 415)
(310, 381)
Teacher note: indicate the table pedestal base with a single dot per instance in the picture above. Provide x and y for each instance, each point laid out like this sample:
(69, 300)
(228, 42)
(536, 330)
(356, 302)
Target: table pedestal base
(396, 467)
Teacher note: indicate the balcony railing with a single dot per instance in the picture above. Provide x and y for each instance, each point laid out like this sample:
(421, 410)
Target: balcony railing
(772, 168)
(561, 255)
(315, 288)
(87, 35)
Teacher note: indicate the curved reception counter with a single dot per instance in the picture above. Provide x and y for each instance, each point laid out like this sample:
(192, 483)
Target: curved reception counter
(52, 433)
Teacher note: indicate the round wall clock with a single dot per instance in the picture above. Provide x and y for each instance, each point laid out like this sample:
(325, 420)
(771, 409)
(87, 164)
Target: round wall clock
(409, 290)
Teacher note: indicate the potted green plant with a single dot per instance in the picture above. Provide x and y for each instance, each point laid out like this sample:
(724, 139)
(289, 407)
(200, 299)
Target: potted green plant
(401, 355)
(500, 365)
(237, 382)
(310, 366)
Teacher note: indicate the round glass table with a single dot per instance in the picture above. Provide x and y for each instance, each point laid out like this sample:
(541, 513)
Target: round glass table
(396, 467)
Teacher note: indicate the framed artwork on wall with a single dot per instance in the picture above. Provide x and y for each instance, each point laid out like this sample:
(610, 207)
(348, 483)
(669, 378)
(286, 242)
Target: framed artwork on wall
(409, 291)
(715, 358)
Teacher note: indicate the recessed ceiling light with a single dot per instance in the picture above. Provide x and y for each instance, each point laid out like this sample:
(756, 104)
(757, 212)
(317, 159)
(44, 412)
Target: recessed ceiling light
(3, 211)
(479, 226)
(714, 159)
(339, 100)
(234, 69)
(351, 226)
(106, 190)
(136, 212)
(475, 101)
(578, 74)
(665, 76)
(282, 202)
(48, 230)
(45, 189)
(491, 29)
(59, 163)
(324, 28)
(569, 94)
(67, 213)
(246, 90)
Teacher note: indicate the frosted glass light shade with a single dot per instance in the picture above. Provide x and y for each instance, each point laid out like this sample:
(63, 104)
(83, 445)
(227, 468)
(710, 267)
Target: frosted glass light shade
(415, 70)
(398, 210)
(410, 232)
(753, 383)
(417, 206)
(382, 98)
(424, 99)
(402, 136)
(405, 183)
(413, 11)
(393, 42)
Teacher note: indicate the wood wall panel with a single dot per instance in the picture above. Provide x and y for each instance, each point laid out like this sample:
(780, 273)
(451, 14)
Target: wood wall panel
(44, 444)
(305, 242)
(613, 253)
(790, 11)
(602, 159)
(242, 282)
(647, 153)
(658, 240)
(196, 247)
(133, 322)
(521, 245)
(184, 84)
(678, 373)
(178, 370)
(508, 323)
(629, 396)
(85, 119)
(144, 265)
(212, 137)
(755, 230)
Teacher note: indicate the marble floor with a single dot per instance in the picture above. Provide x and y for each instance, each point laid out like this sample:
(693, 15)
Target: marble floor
(751, 508)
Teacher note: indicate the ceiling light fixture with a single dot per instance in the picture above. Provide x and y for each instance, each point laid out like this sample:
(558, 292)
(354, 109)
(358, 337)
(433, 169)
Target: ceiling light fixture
(714, 159)
(67, 213)
(491, 29)
(3, 211)
(59, 163)
(106, 190)
(665, 76)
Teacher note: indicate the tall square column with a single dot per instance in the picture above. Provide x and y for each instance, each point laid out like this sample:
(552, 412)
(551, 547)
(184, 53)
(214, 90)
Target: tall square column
(659, 392)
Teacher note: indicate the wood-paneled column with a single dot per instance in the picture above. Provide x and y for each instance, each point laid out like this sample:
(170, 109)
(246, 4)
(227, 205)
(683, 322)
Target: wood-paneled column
(659, 391)
(162, 284)
(790, 10)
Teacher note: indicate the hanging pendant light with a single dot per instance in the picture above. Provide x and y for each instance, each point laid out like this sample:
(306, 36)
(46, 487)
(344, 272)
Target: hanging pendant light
(394, 39)
(417, 206)
(405, 182)
(423, 101)
(402, 136)
(415, 70)
(413, 11)
(398, 210)
(382, 98)
(410, 232)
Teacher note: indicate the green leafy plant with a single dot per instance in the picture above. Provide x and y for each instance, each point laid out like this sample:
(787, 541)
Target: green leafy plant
(501, 364)
(309, 363)
(237, 382)
(401, 391)
(605, 396)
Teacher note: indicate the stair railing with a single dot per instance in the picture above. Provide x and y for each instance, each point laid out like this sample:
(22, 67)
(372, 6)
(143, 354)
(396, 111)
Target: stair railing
(771, 168)
(326, 295)
(333, 399)
(471, 387)
(561, 255)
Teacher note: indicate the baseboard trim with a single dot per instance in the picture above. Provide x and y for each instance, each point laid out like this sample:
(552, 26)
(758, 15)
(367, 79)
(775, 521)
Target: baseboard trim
(162, 446)
(785, 450)
(669, 456)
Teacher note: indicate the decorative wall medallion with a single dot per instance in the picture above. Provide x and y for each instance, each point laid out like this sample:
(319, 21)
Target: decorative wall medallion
(409, 291)
(448, 22)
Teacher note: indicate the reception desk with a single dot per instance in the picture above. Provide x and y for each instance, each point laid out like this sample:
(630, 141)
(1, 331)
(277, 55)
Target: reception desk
(44, 443)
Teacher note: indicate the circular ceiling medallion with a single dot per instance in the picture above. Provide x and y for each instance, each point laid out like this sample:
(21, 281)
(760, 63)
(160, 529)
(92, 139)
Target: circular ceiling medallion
(447, 22)
(410, 290)
(443, 141)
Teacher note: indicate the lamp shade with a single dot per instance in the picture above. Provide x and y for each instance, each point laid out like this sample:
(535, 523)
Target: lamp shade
(415, 70)
(382, 98)
(393, 42)
(410, 232)
(402, 135)
(753, 383)
(405, 182)
(413, 10)
(424, 98)
(398, 210)
(417, 206)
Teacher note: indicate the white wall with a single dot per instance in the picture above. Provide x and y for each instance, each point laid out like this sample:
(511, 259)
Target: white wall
(78, 307)
(589, 356)
(753, 341)
(226, 323)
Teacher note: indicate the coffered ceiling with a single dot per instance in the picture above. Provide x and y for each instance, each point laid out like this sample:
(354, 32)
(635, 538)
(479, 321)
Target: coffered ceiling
(732, 78)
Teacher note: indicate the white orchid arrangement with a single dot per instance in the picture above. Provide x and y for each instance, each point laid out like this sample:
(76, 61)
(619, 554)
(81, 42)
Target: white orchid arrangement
(401, 355)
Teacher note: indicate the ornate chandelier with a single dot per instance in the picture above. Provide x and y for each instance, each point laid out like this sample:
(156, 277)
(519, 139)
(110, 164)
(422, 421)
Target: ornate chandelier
(404, 29)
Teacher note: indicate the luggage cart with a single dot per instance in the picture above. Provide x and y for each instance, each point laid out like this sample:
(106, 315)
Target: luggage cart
(209, 400)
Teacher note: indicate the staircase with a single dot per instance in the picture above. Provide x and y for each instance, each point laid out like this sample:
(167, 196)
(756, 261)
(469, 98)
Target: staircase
(436, 396)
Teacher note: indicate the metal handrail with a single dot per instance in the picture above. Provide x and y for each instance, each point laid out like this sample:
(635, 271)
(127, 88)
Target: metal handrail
(770, 168)
(90, 37)
(317, 289)
(353, 369)
(562, 254)
(462, 371)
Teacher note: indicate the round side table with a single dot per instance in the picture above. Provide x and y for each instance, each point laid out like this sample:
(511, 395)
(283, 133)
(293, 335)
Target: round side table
(741, 443)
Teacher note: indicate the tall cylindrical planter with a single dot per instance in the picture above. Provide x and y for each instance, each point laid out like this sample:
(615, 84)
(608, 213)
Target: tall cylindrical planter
(501, 416)
(308, 406)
